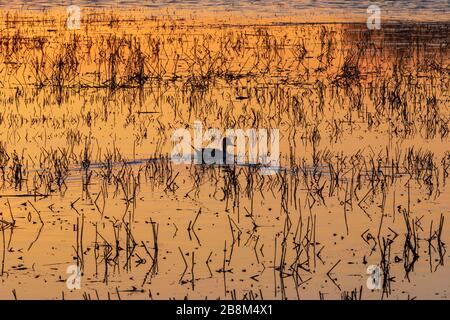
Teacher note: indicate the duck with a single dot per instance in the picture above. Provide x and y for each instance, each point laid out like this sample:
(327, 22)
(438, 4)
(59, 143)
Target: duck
(215, 153)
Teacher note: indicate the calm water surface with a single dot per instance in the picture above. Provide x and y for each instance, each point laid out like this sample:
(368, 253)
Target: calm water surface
(324, 10)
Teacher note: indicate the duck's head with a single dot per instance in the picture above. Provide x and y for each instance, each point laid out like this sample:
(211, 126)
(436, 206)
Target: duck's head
(226, 141)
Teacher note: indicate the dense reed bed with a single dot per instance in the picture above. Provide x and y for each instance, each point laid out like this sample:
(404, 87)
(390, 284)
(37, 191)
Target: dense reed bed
(86, 120)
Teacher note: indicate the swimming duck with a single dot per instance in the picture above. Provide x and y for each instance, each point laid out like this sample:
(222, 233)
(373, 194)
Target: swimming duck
(215, 155)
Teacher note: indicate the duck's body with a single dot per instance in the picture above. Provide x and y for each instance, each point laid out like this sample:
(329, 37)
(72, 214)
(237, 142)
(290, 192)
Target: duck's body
(214, 155)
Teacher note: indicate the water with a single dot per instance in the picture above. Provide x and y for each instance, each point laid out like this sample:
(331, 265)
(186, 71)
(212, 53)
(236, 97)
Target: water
(317, 10)
(364, 123)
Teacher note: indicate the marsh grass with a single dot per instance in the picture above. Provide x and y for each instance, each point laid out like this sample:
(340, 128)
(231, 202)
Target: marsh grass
(87, 118)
